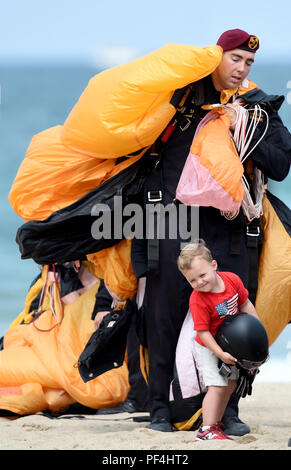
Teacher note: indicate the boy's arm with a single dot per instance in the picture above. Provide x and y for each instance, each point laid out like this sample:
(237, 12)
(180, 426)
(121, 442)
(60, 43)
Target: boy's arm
(209, 341)
(248, 307)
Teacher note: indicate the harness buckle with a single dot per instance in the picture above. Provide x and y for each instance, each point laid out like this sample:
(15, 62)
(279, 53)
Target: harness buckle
(254, 233)
(155, 195)
(252, 236)
(185, 126)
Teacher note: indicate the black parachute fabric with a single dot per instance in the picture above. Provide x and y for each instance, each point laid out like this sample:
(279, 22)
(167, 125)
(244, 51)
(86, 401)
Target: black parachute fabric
(66, 234)
(258, 96)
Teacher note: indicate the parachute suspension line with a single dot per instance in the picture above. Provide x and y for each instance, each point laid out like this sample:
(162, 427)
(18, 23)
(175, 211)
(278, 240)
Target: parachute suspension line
(43, 292)
(55, 285)
(256, 117)
(242, 136)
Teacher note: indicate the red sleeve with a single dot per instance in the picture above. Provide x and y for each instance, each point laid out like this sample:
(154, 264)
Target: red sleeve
(243, 293)
(200, 314)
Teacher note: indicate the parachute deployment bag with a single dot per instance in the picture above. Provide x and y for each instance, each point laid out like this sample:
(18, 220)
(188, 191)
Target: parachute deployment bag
(105, 350)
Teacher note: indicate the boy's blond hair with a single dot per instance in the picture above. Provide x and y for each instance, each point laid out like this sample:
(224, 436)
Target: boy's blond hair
(190, 251)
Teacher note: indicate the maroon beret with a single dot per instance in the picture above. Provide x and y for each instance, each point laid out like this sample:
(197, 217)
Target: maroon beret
(238, 39)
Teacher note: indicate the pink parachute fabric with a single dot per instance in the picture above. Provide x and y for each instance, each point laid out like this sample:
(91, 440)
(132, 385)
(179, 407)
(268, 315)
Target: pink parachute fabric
(213, 171)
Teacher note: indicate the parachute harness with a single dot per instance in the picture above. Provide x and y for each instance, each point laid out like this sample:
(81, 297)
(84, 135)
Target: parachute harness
(243, 133)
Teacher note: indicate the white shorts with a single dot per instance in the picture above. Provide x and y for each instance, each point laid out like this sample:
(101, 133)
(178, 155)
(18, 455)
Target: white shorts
(209, 367)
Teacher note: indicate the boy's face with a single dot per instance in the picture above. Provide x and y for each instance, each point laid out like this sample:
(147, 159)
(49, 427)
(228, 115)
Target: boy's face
(202, 275)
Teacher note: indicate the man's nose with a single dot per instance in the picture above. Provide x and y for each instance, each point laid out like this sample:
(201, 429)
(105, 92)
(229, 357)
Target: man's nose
(241, 67)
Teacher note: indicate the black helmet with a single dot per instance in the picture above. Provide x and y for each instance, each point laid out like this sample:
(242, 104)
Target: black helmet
(245, 338)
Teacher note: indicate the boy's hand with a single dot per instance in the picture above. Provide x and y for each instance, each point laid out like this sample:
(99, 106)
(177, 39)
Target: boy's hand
(228, 358)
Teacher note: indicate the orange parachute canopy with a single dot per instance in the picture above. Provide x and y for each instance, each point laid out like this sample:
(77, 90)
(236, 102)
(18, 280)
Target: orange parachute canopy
(122, 110)
(125, 108)
(114, 266)
(38, 363)
(53, 176)
(273, 301)
(218, 153)
(213, 171)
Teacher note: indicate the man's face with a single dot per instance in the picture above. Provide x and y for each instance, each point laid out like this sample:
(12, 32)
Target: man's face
(233, 69)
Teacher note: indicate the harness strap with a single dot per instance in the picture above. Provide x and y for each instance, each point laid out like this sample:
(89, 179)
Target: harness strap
(253, 234)
(252, 242)
(235, 241)
(153, 196)
(153, 188)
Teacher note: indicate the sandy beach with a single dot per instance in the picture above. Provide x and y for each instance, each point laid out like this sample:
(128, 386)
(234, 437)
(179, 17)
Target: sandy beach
(267, 411)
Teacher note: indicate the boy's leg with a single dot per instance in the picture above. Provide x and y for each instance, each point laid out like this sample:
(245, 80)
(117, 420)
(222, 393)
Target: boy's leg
(215, 402)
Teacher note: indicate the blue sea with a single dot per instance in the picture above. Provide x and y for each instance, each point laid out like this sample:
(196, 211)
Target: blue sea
(34, 98)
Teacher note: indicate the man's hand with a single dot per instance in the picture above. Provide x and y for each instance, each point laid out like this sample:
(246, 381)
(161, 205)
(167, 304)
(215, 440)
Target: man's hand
(231, 109)
(99, 317)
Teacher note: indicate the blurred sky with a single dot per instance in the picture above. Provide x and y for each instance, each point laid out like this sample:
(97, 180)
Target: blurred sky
(113, 31)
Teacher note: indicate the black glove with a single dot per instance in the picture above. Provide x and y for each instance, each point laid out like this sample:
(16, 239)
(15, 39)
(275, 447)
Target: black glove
(245, 382)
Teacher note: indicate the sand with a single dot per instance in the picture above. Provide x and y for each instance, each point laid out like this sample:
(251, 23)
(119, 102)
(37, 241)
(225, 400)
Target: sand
(267, 411)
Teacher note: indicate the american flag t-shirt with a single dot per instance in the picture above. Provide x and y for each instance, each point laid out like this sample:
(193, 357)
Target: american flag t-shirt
(228, 307)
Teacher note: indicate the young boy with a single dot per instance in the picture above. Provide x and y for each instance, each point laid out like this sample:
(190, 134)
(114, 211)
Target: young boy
(215, 295)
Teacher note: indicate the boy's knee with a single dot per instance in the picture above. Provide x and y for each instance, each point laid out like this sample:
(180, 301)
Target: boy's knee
(232, 385)
(218, 389)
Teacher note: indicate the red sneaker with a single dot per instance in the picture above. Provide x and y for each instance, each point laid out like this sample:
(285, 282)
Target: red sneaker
(214, 432)
(218, 426)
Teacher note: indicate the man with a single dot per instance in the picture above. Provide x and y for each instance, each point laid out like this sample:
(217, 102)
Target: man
(167, 292)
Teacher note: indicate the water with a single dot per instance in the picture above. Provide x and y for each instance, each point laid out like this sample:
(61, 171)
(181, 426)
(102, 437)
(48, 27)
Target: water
(37, 97)
(32, 99)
